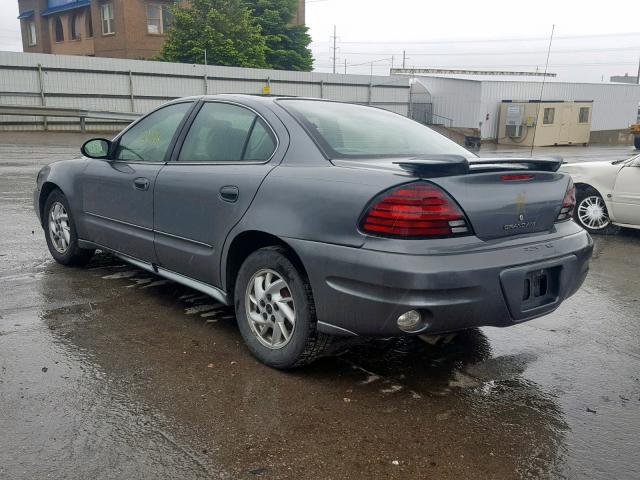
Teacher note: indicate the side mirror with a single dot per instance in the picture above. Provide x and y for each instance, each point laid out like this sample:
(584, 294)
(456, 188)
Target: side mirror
(96, 148)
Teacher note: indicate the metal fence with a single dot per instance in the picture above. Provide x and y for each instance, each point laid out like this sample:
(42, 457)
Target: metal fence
(135, 86)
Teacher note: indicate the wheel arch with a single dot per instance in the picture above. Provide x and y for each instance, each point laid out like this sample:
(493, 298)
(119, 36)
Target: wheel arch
(585, 186)
(45, 191)
(243, 245)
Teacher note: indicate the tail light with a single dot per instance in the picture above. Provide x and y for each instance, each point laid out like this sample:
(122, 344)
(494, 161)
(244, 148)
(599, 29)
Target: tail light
(568, 204)
(415, 210)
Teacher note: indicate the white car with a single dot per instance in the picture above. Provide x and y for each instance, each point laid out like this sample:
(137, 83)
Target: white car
(607, 194)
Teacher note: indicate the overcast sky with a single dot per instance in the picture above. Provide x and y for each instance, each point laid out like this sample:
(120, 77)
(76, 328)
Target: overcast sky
(593, 39)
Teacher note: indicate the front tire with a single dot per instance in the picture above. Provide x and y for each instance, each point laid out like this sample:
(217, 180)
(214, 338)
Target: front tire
(591, 212)
(275, 310)
(60, 231)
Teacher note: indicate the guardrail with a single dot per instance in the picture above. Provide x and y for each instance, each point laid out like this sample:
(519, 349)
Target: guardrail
(82, 114)
(438, 120)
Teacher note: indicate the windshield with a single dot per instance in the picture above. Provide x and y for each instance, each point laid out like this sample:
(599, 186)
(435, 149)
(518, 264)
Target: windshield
(344, 130)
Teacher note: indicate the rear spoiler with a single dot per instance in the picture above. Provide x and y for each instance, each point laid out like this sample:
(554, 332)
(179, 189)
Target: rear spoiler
(545, 164)
(449, 165)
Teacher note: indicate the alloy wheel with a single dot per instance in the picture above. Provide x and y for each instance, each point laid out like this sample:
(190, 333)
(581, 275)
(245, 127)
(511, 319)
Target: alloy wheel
(592, 212)
(270, 309)
(59, 228)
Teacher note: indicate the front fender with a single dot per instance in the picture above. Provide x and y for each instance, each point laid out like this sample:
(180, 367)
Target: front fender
(65, 176)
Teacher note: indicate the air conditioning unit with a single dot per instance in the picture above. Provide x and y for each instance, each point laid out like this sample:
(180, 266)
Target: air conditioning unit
(514, 131)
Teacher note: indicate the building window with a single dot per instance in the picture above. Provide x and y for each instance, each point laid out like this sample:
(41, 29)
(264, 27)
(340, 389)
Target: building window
(583, 115)
(74, 27)
(31, 34)
(158, 18)
(88, 27)
(106, 13)
(59, 30)
(549, 114)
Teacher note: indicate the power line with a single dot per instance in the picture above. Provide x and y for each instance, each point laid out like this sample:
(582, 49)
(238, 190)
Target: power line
(502, 53)
(488, 40)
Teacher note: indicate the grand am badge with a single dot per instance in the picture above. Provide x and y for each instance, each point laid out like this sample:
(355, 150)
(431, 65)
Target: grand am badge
(519, 226)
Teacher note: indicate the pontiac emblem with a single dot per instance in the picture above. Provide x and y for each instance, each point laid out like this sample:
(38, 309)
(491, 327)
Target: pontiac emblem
(521, 224)
(521, 200)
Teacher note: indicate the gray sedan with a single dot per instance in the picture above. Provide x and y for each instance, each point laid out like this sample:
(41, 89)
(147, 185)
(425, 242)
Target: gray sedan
(318, 219)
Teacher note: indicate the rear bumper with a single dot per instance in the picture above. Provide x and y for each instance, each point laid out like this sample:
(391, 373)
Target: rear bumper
(362, 292)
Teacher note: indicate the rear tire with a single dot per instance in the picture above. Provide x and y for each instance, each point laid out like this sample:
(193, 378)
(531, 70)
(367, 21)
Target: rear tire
(275, 310)
(591, 212)
(61, 233)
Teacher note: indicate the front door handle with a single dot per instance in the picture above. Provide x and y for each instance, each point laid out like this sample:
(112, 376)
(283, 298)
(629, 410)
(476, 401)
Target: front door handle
(141, 183)
(229, 193)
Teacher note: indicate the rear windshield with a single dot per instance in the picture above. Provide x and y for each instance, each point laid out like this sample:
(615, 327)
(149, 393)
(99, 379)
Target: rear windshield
(346, 130)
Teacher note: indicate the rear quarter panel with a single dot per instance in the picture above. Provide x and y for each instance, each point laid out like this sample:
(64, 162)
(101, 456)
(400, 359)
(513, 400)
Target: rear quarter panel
(320, 203)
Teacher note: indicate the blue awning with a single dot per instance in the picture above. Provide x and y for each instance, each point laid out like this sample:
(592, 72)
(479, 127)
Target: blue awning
(65, 7)
(25, 14)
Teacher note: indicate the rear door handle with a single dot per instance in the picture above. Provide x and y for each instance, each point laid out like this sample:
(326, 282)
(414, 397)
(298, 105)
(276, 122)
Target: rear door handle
(229, 193)
(141, 183)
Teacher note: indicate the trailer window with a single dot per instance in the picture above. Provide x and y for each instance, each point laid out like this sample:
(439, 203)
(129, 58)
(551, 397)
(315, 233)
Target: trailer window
(549, 114)
(583, 115)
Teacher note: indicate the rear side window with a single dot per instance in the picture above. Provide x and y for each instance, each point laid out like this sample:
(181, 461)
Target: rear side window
(345, 130)
(223, 132)
(261, 143)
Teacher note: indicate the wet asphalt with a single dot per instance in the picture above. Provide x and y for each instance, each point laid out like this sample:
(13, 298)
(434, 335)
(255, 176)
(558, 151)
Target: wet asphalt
(109, 372)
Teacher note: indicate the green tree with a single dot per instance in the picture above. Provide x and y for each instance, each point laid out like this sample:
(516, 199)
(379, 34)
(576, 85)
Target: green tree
(287, 45)
(224, 28)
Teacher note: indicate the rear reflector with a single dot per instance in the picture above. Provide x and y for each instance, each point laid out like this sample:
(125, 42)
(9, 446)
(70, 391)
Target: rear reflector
(568, 204)
(415, 210)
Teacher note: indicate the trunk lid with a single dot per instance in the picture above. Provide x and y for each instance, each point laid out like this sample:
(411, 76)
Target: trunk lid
(501, 197)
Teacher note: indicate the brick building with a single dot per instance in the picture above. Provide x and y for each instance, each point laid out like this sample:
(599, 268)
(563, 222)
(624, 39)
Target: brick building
(103, 28)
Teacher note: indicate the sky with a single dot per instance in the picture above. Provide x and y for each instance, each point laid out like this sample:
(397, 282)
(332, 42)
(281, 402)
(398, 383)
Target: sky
(592, 40)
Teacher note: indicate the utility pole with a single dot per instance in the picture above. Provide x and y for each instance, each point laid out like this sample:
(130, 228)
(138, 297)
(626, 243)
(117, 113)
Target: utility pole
(638, 78)
(335, 48)
(392, 59)
(404, 59)
(345, 66)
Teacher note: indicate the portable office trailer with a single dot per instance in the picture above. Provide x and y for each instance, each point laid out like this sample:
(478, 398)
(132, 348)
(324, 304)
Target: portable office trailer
(545, 123)
(474, 102)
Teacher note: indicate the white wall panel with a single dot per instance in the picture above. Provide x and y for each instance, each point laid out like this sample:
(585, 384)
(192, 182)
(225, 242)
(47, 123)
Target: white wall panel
(105, 83)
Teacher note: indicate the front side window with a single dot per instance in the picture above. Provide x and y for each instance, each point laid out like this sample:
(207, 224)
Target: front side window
(31, 34)
(549, 115)
(158, 18)
(345, 130)
(149, 139)
(59, 30)
(227, 133)
(106, 14)
(583, 115)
